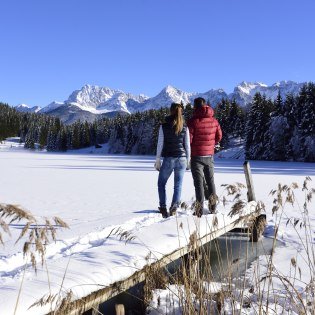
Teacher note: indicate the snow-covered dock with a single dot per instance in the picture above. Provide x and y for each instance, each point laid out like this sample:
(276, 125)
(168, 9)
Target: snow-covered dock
(172, 242)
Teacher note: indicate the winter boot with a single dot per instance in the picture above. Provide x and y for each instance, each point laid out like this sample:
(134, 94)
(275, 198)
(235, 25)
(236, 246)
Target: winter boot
(163, 211)
(173, 210)
(212, 203)
(198, 209)
(213, 209)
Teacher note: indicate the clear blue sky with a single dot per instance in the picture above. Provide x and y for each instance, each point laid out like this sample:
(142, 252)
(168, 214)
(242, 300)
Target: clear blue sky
(48, 48)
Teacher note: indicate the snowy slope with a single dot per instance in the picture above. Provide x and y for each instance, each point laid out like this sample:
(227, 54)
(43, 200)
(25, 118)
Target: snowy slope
(52, 106)
(96, 192)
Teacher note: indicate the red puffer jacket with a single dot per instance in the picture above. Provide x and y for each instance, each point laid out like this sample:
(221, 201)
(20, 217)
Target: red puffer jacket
(205, 132)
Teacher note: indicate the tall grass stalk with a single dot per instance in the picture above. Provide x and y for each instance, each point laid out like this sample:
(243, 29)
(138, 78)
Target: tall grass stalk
(36, 234)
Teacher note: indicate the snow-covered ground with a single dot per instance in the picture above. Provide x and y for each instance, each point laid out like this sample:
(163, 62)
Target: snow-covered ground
(94, 193)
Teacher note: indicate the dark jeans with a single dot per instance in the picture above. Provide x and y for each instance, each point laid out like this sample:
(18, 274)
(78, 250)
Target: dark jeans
(203, 175)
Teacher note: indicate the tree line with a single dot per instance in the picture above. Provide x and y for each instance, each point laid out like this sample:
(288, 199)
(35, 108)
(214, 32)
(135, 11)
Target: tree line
(283, 130)
(271, 130)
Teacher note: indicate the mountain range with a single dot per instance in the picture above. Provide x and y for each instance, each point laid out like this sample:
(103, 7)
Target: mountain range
(91, 101)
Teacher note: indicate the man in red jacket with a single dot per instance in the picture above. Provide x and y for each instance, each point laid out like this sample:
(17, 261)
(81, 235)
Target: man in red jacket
(205, 133)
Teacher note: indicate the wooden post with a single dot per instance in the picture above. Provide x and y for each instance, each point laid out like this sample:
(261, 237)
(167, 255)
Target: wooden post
(249, 182)
(120, 309)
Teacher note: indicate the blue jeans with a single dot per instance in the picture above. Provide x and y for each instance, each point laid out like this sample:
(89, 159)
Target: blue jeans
(170, 164)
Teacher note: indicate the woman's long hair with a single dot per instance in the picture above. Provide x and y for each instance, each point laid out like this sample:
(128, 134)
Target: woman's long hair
(178, 123)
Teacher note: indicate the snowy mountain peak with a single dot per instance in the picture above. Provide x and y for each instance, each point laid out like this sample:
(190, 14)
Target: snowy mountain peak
(247, 87)
(172, 94)
(87, 88)
(170, 89)
(284, 83)
(91, 96)
(252, 84)
(27, 109)
(22, 106)
(220, 90)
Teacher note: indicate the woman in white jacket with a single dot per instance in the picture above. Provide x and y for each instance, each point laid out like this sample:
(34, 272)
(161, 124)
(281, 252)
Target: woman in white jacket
(174, 146)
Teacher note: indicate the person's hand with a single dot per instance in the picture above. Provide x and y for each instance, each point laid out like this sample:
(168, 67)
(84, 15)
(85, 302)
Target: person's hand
(188, 165)
(157, 164)
(217, 147)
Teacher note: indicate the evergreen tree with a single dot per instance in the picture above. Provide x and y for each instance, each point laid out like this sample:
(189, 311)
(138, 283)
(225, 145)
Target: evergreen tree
(30, 139)
(75, 136)
(291, 143)
(237, 120)
(307, 124)
(222, 113)
(43, 133)
(276, 135)
(188, 112)
(62, 140)
(257, 125)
